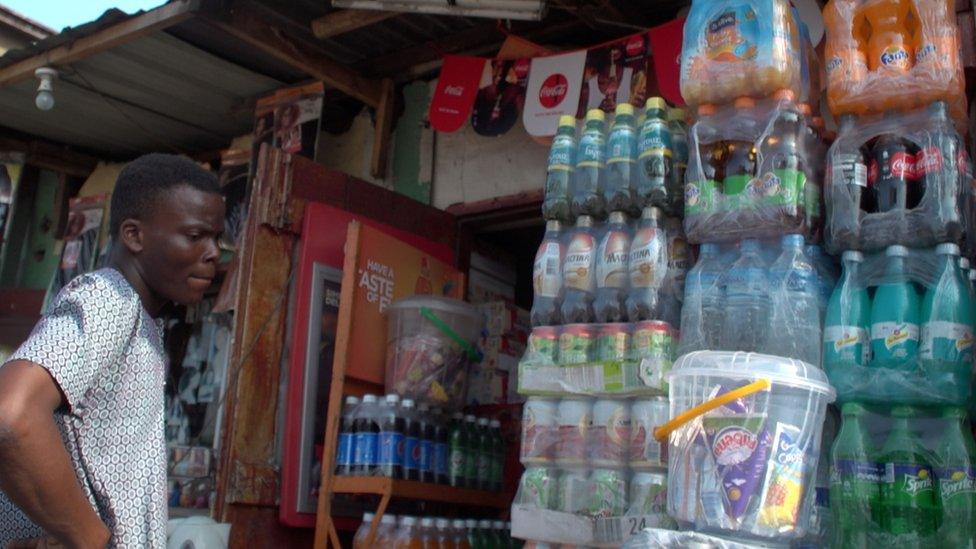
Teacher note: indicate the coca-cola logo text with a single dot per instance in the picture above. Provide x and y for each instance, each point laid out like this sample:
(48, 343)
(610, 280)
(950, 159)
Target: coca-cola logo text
(902, 165)
(456, 91)
(553, 91)
(928, 160)
(635, 46)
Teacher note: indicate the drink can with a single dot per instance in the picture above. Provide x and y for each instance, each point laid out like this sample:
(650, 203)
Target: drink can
(608, 493)
(572, 491)
(613, 342)
(653, 338)
(539, 430)
(609, 437)
(645, 416)
(648, 495)
(538, 488)
(576, 344)
(544, 344)
(574, 418)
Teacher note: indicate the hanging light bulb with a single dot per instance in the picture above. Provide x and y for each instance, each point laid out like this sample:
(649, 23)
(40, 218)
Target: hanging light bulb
(45, 89)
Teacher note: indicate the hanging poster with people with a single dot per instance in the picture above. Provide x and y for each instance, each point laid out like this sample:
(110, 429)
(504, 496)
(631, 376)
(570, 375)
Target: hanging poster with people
(80, 251)
(297, 114)
(501, 96)
(615, 73)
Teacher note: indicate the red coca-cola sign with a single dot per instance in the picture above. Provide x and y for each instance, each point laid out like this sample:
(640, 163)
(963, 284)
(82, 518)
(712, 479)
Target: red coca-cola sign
(928, 160)
(635, 45)
(522, 68)
(902, 165)
(553, 91)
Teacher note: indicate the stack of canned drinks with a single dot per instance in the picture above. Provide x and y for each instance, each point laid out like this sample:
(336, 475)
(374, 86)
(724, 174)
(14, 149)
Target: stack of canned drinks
(595, 457)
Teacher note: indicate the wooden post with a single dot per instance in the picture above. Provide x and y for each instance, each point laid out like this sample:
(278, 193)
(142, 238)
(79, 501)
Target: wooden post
(382, 128)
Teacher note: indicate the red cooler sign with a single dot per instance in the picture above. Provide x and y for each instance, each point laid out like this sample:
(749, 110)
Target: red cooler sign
(553, 90)
(457, 88)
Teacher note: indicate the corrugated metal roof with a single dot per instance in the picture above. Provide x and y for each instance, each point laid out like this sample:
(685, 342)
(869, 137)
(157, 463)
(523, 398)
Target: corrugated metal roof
(155, 93)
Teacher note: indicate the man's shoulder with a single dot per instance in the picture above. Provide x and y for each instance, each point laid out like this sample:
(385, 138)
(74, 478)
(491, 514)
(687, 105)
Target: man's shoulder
(104, 285)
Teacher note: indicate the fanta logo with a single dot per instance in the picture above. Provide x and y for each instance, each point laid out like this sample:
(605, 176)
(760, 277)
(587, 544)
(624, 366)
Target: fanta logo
(456, 91)
(834, 63)
(734, 445)
(767, 185)
(915, 484)
(894, 56)
(924, 51)
(692, 194)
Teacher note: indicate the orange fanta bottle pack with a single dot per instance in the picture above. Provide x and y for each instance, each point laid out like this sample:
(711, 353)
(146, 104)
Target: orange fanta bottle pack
(884, 55)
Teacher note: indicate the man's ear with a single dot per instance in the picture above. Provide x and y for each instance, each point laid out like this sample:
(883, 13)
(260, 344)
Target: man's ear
(131, 235)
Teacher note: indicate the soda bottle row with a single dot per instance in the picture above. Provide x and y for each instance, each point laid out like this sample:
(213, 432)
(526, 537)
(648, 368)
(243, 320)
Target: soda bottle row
(736, 49)
(634, 164)
(390, 438)
(409, 532)
(755, 170)
(903, 476)
(886, 55)
(757, 297)
(899, 327)
(625, 270)
(897, 179)
(607, 433)
(600, 493)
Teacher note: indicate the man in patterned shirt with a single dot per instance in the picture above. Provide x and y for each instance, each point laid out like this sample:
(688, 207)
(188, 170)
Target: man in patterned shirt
(82, 445)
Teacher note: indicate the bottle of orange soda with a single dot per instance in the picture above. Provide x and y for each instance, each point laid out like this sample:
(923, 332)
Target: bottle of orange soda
(846, 65)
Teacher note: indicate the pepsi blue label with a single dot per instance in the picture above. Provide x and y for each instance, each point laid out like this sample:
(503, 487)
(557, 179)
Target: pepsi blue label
(390, 448)
(365, 452)
(442, 458)
(347, 448)
(411, 453)
(427, 456)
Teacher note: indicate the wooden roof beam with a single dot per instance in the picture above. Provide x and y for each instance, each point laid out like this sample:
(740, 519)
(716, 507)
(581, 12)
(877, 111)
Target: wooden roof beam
(124, 32)
(249, 27)
(343, 21)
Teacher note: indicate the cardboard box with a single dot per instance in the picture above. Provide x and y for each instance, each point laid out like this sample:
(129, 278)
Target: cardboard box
(504, 318)
(557, 527)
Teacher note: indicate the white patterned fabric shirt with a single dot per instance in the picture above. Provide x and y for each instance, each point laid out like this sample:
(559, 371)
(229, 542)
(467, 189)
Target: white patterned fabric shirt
(106, 353)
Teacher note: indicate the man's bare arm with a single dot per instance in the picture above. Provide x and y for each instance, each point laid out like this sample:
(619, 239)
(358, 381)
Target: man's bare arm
(35, 469)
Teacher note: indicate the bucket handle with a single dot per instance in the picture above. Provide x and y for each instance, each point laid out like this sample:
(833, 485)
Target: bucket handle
(473, 354)
(664, 431)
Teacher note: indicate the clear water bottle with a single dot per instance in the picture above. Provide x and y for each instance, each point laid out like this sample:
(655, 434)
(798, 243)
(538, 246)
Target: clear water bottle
(579, 273)
(346, 453)
(701, 315)
(547, 276)
(794, 320)
(827, 274)
(611, 270)
(746, 318)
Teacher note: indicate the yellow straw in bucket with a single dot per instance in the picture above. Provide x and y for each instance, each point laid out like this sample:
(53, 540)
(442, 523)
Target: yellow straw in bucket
(663, 432)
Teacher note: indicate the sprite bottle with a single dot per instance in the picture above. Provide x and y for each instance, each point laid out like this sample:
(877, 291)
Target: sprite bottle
(908, 500)
(855, 491)
(457, 450)
(955, 482)
(472, 449)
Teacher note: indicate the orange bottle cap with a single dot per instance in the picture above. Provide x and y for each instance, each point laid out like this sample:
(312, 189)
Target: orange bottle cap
(805, 109)
(706, 109)
(745, 102)
(784, 93)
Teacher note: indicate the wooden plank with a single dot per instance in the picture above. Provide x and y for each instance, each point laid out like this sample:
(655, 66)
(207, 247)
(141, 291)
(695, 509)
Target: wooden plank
(248, 26)
(323, 519)
(421, 491)
(342, 21)
(105, 39)
(382, 129)
(257, 527)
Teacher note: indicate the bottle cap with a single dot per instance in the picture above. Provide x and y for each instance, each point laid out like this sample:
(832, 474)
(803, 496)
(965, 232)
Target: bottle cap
(427, 522)
(947, 248)
(964, 263)
(651, 212)
(595, 114)
(656, 103)
(745, 102)
(793, 240)
(352, 400)
(784, 95)
(483, 421)
(584, 221)
(554, 225)
(939, 107)
(624, 109)
(495, 423)
(706, 109)
(972, 274)
(618, 217)
(904, 412)
(368, 517)
(484, 524)
(852, 409)
(677, 114)
(805, 110)
(853, 255)
(469, 418)
(392, 399)
(498, 525)
(818, 122)
(407, 403)
(567, 120)
(896, 251)
(369, 398)
(442, 523)
(408, 520)
(847, 121)
(710, 249)
(388, 519)
(459, 523)
(471, 523)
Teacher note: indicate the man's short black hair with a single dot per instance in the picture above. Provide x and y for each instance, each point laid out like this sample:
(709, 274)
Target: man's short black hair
(143, 181)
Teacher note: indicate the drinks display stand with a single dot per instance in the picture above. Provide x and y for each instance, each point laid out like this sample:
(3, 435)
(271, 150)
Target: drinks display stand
(344, 382)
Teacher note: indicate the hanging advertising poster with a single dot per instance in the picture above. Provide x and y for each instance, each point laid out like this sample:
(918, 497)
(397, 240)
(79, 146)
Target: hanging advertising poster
(615, 73)
(80, 238)
(501, 96)
(454, 97)
(553, 90)
(10, 168)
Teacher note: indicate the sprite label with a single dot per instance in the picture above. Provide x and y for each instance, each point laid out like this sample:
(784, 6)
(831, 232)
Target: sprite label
(908, 499)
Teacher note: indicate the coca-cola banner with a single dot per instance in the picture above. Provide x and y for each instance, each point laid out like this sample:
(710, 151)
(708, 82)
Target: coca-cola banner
(553, 90)
(548, 86)
(456, 91)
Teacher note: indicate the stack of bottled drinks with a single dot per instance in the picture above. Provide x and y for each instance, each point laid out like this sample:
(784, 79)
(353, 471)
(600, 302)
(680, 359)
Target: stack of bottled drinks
(898, 336)
(409, 532)
(396, 439)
